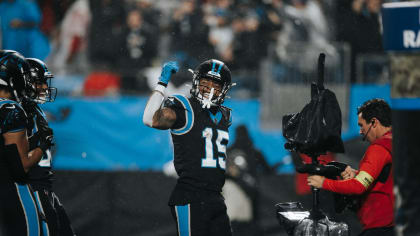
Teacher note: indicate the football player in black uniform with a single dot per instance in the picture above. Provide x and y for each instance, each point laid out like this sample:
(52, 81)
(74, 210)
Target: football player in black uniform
(19, 215)
(41, 176)
(199, 128)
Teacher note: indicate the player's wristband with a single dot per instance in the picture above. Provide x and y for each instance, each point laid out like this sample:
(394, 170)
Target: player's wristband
(162, 83)
(160, 88)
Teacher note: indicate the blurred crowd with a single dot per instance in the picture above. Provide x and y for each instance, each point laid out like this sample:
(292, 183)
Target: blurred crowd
(120, 42)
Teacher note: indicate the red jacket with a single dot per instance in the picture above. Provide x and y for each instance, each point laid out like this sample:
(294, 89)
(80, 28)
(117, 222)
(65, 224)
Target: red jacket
(377, 198)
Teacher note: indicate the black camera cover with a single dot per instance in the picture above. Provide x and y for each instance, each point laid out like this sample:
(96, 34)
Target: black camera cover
(317, 128)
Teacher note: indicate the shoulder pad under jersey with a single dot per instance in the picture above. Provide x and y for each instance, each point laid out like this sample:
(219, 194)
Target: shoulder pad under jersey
(227, 114)
(187, 111)
(171, 102)
(12, 117)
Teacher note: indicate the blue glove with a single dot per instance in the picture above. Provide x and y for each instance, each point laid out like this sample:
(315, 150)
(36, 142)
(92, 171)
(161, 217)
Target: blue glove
(168, 69)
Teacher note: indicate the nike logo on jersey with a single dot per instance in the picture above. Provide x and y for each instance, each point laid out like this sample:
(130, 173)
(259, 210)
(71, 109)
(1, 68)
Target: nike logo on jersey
(11, 107)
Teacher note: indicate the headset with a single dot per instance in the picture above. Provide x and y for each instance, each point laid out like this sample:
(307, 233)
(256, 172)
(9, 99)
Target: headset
(371, 124)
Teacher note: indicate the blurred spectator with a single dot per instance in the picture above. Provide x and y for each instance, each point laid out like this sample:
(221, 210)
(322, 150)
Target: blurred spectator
(70, 46)
(305, 34)
(248, 46)
(106, 25)
(53, 12)
(358, 23)
(272, 19)
(309, 12)
(138, 47)
(189, 35)
(151, 15)
(217, 17)
(48, 21)
(245, 163)
(20, 28)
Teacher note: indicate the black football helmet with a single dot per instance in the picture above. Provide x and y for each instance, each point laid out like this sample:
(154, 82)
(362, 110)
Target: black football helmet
(214, 70)
(14, 75)
(39, 75)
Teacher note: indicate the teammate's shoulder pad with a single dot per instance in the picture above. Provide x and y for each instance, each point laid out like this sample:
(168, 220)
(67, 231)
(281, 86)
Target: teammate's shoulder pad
(227, 114)
(9, 105)
(13, 117)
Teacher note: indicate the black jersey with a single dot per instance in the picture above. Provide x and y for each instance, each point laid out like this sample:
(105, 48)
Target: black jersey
(40, 174)
(12, 119)
(200, 138)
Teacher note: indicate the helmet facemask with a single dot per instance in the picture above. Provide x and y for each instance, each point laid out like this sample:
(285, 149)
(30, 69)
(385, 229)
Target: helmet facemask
(40, 79)
(43, 91)
(209, 73)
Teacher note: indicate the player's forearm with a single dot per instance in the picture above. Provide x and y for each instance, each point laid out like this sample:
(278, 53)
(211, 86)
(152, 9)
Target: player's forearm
(153, 105)
(150, 118)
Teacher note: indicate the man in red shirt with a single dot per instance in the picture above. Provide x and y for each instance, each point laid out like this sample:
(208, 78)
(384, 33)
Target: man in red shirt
(373, 182)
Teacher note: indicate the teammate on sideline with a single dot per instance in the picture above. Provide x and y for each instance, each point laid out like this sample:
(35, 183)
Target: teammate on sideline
(199, 128)
(41, 176)
(19, 215)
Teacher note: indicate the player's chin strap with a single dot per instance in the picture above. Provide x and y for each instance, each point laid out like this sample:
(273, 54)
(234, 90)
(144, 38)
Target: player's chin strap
(207, 103)
(154, 103)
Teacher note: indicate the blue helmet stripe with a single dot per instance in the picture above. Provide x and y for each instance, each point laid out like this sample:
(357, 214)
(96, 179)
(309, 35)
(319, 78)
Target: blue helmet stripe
(213, 67)
(220, 68)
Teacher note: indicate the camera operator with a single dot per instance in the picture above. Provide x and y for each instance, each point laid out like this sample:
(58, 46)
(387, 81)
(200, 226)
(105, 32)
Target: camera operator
(372, 185)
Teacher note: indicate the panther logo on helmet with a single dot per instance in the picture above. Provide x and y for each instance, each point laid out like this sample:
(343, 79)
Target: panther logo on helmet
(14, 75)
(211, 70)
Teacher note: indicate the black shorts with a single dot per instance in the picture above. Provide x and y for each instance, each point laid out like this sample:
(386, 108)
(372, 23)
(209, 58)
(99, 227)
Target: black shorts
(18, 211)
(56, 221)
(205, 218)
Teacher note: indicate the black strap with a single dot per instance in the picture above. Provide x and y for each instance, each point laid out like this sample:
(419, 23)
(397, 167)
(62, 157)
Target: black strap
(321, 66)
(386, 170)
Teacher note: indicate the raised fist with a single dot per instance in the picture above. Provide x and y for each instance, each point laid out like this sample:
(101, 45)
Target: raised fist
(168, 69)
